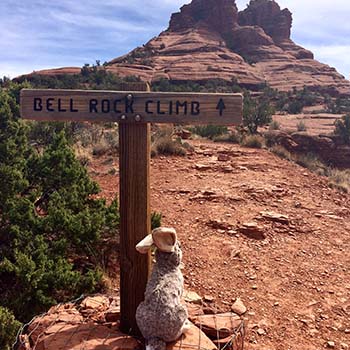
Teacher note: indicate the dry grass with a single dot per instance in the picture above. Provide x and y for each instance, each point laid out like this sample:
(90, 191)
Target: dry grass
(165, 142)
(231, 137)
(101, 147)
(281, 152)
(340, 180)
(253, 141)
(311, 162)
(167, 146)
(274, 125)
(83, 154)
(301, 126)
(98, 139)
(209, 131)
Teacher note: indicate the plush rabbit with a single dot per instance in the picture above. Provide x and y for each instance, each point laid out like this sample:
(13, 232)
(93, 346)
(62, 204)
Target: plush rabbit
(161, 317)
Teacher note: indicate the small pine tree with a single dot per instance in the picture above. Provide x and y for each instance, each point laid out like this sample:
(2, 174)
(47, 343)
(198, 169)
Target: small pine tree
(9, 327)
(50, 219)
(256, 113)
(295, 107)
(301, 126)
(342, 128)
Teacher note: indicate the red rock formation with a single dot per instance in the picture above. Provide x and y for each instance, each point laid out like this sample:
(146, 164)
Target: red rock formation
(275, 22)
(93, 324)
(268, 15)
(220, 15)
(58, 71)
(210, 39)
(328, 148)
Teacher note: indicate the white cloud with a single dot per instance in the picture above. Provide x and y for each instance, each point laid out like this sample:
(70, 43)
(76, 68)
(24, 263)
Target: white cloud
(335, 56)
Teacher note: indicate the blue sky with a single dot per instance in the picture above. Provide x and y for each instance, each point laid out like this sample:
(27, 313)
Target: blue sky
(38, 34)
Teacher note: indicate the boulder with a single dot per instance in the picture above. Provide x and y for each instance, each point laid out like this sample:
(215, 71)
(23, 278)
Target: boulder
(97, 303)
(93, 322)
(194, 339)
(223, 157)
(253, 230)
(219, 326)
(194, 310)
(192, 297)
(328, 148)
(272, 216)
(185, 134)
(113, 315)
(238, 307)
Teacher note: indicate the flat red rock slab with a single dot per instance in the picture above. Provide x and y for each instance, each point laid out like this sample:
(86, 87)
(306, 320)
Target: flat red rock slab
(194, 339)
(91, 336)
(219, 326)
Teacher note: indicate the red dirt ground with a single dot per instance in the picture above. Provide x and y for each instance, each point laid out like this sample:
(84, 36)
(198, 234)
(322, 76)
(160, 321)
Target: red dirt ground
(296, 282)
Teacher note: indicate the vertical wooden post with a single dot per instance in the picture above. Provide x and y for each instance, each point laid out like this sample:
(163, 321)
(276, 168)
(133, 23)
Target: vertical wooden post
(134, 165)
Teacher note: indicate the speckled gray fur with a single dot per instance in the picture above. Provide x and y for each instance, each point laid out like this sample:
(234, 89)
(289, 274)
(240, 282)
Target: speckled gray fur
(161, 317)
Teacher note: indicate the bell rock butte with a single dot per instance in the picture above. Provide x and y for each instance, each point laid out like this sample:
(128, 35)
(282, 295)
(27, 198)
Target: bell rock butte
(211, 39)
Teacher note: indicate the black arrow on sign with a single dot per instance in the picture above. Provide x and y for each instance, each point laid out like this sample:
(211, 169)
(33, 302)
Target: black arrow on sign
(221, 106)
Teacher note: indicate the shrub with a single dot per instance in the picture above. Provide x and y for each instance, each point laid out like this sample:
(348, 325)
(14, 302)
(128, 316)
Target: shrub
(270, 138)
(212, 85)
(301, 126)
(165, 143)
(256, 113)
(342, 128)
(274, 125)
(338, 105)
(9, 327)
(307, 97)
(167, 146)
(50, 218)
(295, 107)
(82, 153)
(253, 141)
(209, 131)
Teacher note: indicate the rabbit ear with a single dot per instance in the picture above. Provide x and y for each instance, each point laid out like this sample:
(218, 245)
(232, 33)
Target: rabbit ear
(144, 246)
(164, 238)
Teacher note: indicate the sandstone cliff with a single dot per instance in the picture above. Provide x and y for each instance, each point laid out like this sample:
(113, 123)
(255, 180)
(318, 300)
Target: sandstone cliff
(211, 39)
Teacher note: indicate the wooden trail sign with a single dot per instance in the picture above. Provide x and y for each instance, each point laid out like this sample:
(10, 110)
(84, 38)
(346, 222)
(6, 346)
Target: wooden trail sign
(134, 111)
(131, 107)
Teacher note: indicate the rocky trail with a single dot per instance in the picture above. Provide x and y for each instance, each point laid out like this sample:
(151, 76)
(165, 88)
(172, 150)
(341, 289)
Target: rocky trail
(255, 227)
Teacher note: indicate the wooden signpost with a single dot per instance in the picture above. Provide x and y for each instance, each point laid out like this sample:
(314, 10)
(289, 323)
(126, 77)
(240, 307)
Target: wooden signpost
(133, 107)
(134, 111)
